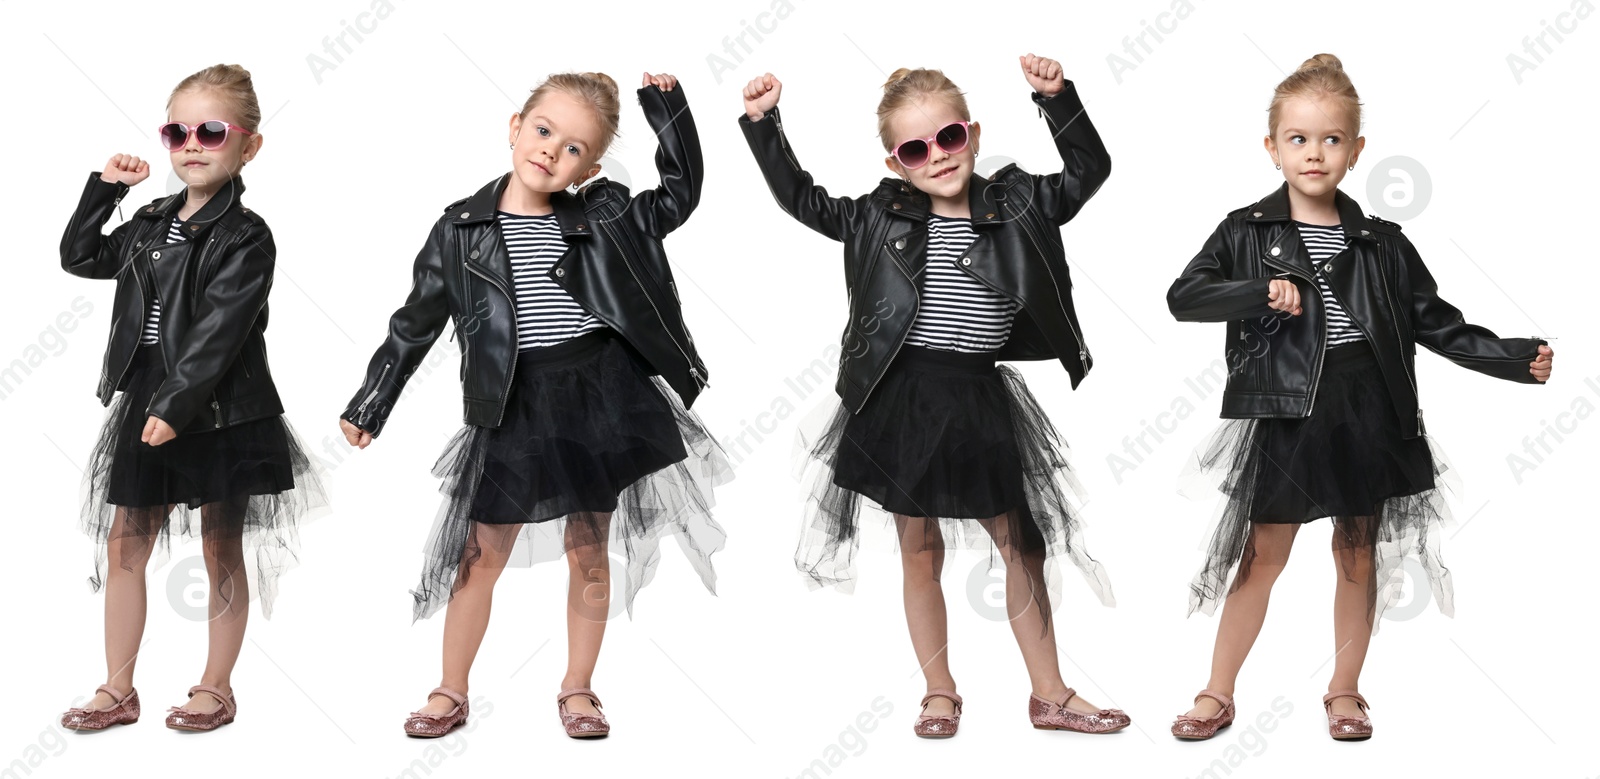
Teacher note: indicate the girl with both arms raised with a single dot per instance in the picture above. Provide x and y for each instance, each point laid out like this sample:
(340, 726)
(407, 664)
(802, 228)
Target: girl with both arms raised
(574, 355)
(938, 261)
(1326, 306)
(196, 441)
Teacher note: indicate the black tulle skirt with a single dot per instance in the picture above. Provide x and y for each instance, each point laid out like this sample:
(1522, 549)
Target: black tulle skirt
(957, 443)
(592, 453)
(1349, 461)
(250, 485)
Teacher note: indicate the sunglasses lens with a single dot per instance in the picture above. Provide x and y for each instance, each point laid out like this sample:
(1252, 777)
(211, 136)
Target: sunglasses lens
(173, 136)
(913, 154)
(952, 138)
(212, 134)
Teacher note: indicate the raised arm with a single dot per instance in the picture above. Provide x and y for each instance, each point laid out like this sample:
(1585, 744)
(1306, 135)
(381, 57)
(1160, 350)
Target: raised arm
(1441, 327)
(413, 328)
(789, 183)
(223, 319)
(84, 250)
(1085, 162)
(678, 161)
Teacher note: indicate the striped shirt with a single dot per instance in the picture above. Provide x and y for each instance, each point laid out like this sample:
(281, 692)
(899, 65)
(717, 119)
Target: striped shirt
(957, 312)
(546, 314)
(1321, 243)
(152, 317)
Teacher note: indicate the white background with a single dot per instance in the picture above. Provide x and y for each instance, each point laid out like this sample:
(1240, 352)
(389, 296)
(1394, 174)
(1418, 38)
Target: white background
(767, 677)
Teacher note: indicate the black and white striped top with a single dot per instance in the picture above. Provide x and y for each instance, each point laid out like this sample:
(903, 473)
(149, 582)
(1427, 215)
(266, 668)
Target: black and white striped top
(152, 317)
(957, 312)
(546, 314)
(1321, 243)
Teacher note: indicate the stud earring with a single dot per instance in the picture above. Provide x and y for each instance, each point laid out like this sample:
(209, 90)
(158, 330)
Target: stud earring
(1277, 167)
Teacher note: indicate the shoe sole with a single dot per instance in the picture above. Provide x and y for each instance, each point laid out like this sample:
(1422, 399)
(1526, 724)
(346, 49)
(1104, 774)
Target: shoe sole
(97, 730)
(1075, 730)
(436, 735)
(198, 730)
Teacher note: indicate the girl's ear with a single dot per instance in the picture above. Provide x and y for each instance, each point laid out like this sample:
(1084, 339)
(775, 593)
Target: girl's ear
(514, 128)
(894, 166)
(253, 147)
(1361, 143)
(594, 170)
(1272, 150)
(974, 130)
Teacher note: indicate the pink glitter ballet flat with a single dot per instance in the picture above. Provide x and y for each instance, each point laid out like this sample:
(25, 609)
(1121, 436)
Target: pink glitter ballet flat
(180, 718)
(421, 725)
(581, 725)
(938, 725)
(1047, 715)
(1347, 728)
(124, 712)
(1202, 728)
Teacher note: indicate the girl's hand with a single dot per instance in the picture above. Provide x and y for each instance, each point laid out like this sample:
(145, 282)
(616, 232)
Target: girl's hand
(1540, 368)
(760, 95)
(1044, 75)
(125, 169)
(157, 431)
(354, 435)
(1283, 295)
(663, 81)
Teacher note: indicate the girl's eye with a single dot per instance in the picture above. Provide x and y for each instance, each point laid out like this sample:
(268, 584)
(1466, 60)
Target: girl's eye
(1333, 140)
(544, 131)
(1297, 139)
(573, 150)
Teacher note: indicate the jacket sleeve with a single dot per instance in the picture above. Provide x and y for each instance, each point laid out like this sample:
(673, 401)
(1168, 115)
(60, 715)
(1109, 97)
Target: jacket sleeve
(1087, 164)
(84, 250)
(791, 185)
(413, 328)
(223, 318)
(1205, 292)
(678, 161)
(1441, 327)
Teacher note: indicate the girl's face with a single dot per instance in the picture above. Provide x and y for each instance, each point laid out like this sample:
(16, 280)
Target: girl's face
(556, 144)
(1314, 144)
(199, 167)
(945, 175)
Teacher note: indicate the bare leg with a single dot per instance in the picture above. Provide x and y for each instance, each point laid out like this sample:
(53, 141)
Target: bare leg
(588, 602)
(229, 602)
(467, 615)
(921, 560)
(127, 553)
(1352, 628)
(1245, 610)
(1034, 632)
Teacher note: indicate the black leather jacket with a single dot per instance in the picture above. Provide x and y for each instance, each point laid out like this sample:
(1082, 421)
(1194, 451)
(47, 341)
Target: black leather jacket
(213, 289)
(1275, 359)
(1018, 252)
(615, 267)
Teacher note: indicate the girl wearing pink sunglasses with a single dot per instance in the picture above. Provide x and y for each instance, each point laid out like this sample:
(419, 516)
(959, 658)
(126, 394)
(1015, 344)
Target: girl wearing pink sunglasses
(196, 442)
(949, 273)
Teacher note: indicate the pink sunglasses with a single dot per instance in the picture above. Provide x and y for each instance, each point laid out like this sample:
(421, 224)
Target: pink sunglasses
(915, 153)
(211, 134)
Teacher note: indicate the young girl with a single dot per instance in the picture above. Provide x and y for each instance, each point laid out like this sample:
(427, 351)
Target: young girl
(574, 354)
(198, 425)
(938, 262)
(1325, 307)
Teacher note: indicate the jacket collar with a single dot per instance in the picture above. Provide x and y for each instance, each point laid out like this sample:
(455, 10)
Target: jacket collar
(167, 208)
(1357, 226)
(912, 203)
(482, 205)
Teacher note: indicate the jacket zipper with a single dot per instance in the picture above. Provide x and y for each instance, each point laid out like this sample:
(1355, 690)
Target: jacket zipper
(1389, 298)
(1322, 336)
(916, 307)
(505, 391)
(694, 372)
(362, 409)
(1083, 348)
(138, 287)
(216, 409)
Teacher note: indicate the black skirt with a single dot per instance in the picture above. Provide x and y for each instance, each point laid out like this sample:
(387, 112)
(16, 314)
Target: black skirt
(592, 451)
(251, 482)
(958, 443)
(1348, 460)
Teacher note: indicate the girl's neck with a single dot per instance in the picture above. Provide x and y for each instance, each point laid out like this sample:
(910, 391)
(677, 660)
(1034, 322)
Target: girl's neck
(196, 197)
(520, 200)
(954, 207)
(1315, 210)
